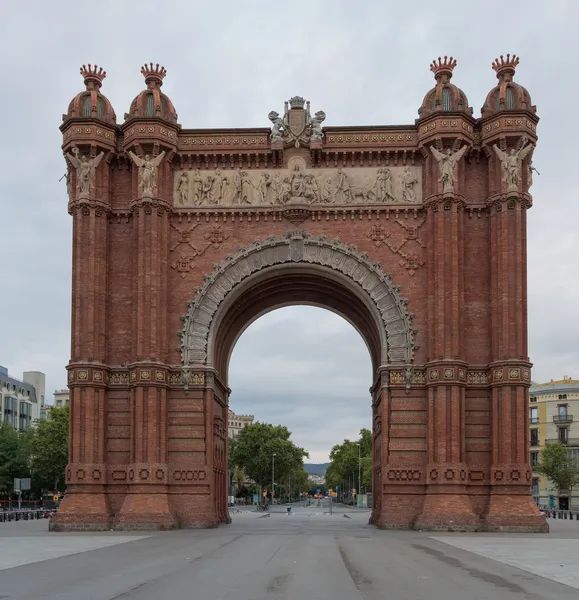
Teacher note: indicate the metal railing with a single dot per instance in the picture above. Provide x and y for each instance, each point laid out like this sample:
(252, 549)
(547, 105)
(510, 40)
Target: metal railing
(570, 515)
(563, 418)
(24, 514)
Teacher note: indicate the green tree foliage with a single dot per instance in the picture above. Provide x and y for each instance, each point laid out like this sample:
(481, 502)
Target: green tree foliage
(13, 457)
(49, 450)
(254, 448)
(558, 464)
(345, 459)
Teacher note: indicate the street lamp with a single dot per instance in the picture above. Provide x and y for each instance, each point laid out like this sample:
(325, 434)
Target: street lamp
(359, 470)
(272, 476)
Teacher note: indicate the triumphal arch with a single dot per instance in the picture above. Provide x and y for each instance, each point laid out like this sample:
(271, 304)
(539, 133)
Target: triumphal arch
(416, 234)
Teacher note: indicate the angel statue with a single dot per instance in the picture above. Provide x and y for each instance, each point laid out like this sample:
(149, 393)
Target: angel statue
(147, 171)
(447, 164)
(84, 170)
(511, 163)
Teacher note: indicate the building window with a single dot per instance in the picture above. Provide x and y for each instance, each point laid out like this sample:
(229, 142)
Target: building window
(564, 435)
(25, 416)
(510, 99)
(562, 396)
(533, 399)
(534, 459)
(87, 109)
(534, 415)
(446, 100)
(534, 437)
(150, 111)
(10, 410)
(562, 410)
(535, 486)
(99, 109)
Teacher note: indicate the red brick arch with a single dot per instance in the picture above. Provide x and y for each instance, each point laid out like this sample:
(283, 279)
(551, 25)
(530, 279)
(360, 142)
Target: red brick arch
(432, 274)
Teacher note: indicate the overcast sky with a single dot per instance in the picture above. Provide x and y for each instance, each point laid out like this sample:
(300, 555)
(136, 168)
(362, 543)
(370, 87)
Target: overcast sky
(229, 64)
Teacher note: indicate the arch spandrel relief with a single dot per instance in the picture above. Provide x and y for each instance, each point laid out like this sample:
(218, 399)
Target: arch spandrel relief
(296, 185)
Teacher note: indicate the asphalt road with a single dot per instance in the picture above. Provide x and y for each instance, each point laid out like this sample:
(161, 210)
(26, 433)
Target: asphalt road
(308, 555)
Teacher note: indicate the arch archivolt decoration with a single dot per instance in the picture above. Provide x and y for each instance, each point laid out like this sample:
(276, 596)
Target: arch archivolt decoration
(298, 247)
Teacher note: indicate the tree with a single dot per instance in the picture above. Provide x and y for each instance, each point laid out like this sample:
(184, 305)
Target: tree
(558, 464)
(13, 457)
(49, 449)
(346, 459)
(254, 449)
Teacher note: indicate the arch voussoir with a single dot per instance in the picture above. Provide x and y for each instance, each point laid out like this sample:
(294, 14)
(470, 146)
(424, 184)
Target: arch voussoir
(299, 247)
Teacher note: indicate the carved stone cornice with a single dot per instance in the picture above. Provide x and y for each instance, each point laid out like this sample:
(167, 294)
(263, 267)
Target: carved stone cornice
(147, 205)
(86, 206)
(508, 201)
(510, 372)
(445, 201)
(149, 131)
(508, 124)
(88, 132)
(447, 126)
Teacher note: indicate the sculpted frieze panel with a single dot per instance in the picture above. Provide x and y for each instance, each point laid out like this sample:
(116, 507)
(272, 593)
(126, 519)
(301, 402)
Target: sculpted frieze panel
(278, 187)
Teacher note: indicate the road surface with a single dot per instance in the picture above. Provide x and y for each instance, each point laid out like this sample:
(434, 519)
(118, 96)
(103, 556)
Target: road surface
(309, 555)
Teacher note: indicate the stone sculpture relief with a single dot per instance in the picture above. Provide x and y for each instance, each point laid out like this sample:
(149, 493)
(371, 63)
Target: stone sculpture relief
(512, 162)
(298, 246)
(147, 172)
(297, 126)
(85, 170)
(278, 187)
(447, 166)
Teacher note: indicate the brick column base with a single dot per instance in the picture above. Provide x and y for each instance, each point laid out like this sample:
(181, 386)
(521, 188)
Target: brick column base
(82, 510)
(145, 509)
(447, 510)
(398, 510)
(514, 513)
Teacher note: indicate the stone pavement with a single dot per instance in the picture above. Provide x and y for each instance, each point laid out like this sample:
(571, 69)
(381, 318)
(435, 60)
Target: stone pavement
(309, 554)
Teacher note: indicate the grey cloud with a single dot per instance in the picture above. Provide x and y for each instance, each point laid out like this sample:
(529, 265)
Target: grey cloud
(228, 66)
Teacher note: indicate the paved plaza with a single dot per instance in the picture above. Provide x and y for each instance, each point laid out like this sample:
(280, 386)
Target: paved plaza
(309, 554)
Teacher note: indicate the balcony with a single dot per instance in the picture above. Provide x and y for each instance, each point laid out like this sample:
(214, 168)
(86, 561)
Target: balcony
(562, 419)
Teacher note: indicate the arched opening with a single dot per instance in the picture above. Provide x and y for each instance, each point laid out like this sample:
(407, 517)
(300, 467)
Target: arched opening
(307, 369)
(295, 269)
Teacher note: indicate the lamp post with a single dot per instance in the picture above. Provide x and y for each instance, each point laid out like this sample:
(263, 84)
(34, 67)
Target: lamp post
(359, 471)
(272, 476)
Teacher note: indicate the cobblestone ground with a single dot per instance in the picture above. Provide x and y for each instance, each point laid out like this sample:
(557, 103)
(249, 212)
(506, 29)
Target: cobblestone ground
(309, 554)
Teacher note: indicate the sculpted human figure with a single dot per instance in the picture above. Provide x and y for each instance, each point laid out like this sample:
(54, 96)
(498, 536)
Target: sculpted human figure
(197, 187)
(285, 190)
(317, 134)
(278, 126)
(343, 195)
(266, 189)
(183, 188)
(246, 186)
(384, 184)
(220, 187)
(328, 192)
(297, 183)
(447, 166)
(207, 194)
(147, 171)
(84, 170)
(511, 164)
(409, 180)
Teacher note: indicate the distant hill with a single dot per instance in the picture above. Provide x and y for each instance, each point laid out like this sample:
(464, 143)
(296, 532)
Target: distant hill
(316, 469)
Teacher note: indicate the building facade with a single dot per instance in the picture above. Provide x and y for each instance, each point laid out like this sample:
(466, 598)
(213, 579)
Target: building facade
(415, 234)
(553, 406)
(21, 400)
(236, 423)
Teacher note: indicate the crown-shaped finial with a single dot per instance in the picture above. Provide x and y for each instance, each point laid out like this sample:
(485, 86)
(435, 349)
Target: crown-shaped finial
(297, 102)
(506, 65)
(443, 66)
(153, 73)
(93, 75)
